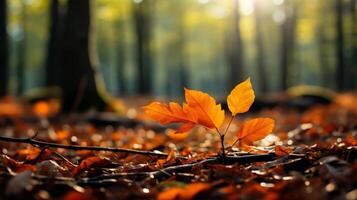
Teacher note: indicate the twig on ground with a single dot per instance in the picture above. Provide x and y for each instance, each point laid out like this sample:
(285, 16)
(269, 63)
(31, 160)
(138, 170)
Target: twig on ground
(39, 143)
(172, 170)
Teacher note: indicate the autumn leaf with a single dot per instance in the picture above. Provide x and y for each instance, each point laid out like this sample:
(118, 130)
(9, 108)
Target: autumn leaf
(282, 151)
(16, 166)
(241, 98)
(172, 113)
(350, 140)
(41, 109)
(255, 129)
(75, 195)
(170, 158)
(93, 162)
(187, 192)
(209, 114)
(177, 137)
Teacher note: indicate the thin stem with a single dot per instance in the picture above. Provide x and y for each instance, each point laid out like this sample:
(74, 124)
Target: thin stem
(235, 142)
(229, 124)
(223, 151)
(77, 147)
(219, 132)
(222, 147)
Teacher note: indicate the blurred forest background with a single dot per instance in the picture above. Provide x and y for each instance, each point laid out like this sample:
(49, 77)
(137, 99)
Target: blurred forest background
(156, 47)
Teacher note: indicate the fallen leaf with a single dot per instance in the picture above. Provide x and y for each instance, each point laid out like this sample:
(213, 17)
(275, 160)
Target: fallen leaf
(51, 168)
(29, 153)
(41, 109)
(184, 193)
(350, 140)
(74, 195)
(241, 98)
(170, 158)
(209, 114)
(93, 162)
(16, 166)
(282, 151)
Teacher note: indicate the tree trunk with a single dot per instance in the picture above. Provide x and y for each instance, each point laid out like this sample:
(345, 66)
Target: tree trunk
(288, 42)
(79, 76)
(3, 49)
(121, 57)
(322, 50)
(182, 65)
(325, 72)
(142, 22)
(52, 66)
(262, 74)
(353, 7)
(21, 49)
(235, 52)
(340, 64)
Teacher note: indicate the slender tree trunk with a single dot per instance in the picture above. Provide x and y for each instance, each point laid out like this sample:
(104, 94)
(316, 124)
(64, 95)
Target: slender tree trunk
(235, 50)
(353, 6)
(288, 42)
(121, 57)
(182, 58)
(79, 72)
(142, 22)
(262, 74)
(21, 49)
(52, 61)
(340, 64)
(322, 50)
(180, 44)
(3, 49)
(325, 72)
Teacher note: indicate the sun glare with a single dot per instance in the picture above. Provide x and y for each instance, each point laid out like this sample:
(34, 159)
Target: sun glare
(246, 7)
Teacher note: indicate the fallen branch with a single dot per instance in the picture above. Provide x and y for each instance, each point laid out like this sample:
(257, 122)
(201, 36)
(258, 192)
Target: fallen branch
(228, 160)
(172, 170)
(39, 143)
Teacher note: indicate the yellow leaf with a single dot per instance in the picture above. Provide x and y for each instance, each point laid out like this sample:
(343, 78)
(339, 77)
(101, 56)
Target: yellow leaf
(255, 129)
(172, 113)
(241, 98)
(209, 114)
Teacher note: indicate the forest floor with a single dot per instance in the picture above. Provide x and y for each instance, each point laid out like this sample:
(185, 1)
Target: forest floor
(310, 155)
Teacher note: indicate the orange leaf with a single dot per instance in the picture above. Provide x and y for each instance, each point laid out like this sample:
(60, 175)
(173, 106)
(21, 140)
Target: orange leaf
(74, 195)
(282, 151)
(185, 193)
(172, 113)
(172, 135)
(16, 166)
(41, 109)
(350, 140)
(241, 98)
(255, 129)
(170, 158)
(93, 162)
(209, 114)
